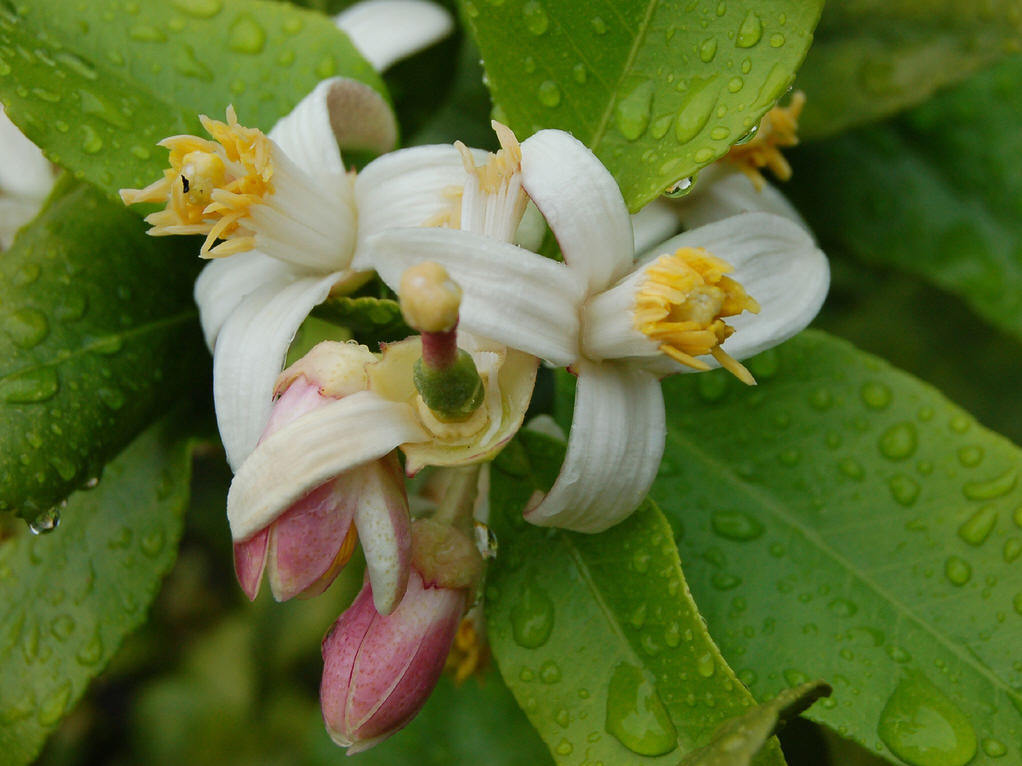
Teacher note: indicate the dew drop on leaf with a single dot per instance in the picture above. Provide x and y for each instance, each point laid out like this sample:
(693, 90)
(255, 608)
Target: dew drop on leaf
(977, 527)
(750, 31)
(46, 521)
(532, 617)
(994, 748)
(904, 489)
(202, 9)
(27, 327)
(536, 19)
(923, 727)
(957, 570)
(636, 716)
(549, 94)
(708, 49)
(632, 113)
(993, 488)
(246, 35)
(599, 25)
(92, 142)
(695, 109)
(875, 395)
(899, 441)
(736, 525)
(53, 705)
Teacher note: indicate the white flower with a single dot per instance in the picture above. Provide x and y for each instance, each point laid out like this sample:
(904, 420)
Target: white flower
(291, 217)
(617, 325)
(26, 178)
(386, 31)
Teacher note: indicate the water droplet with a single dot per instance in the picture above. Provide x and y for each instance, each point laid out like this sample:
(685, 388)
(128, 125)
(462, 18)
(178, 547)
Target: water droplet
(680, 189)
(897, 654)
(146, 33)
(76, 64)
(708, 49)
(247, 35)
(971, 455)
(44, 522)
(957, 570)
(842, 607)
(112, 397)
(923, 727)
(549, 94)
(549, 673)
(532, 617)
(1012, 549)
(536, 20)
(776, 40)
(201, 9)
(189, 65)
(30, 386)
(735, 84)
(62, 627)
(599, 25)
(736, 525)
(27, 327)
(875, 395)
(750, 31)
(580, 73)
(632, 113)
(977, 527)
(526, 674)
(821, 399)
(152, 543)
(563, 718)
(638, 616)
(851, 468)
(993, 488)
(994, 748)
(705, 665)
(21, 709)
(904, 489)
(899, 441)
(53, 705)
(695, 110)
(108, 345)
(636, 716)
(564, 747)
(92, 142)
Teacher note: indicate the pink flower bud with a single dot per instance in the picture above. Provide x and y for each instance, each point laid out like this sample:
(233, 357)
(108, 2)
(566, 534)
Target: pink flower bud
(379, 670)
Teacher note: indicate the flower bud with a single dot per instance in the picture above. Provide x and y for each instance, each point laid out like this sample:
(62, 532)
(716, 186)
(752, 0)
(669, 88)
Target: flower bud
(379, 670)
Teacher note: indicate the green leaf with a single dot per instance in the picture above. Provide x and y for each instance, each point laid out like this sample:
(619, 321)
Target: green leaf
(369, 319)
(70, 597)
(845, 521)
(950, 174)
(737, 741)
(97, 88)
(656, 89)
(596, 635)
(99, 335)
(874, 57)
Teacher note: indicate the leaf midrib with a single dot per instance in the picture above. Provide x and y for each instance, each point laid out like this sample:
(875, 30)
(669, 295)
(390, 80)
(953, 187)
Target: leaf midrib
(102, 341)
(637, 41)
(780, 512)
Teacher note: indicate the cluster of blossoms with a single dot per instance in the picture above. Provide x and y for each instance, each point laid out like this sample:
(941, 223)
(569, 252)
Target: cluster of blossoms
(320, 451)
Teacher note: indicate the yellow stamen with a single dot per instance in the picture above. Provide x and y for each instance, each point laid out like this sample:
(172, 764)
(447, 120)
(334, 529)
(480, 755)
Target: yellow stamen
(468, 654)
(778, 128)
(681, 306)
(210, 186)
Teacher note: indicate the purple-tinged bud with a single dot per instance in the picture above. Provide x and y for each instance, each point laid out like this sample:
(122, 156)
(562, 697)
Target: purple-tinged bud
(378, 671)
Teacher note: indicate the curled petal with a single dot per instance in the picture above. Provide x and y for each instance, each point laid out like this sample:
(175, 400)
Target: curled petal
(386, 31)
(384, 527)
(582, 203)
(311, 450)
(250, 353)
(224, 283)
(614, 450)
(511, 296)
(339, 112)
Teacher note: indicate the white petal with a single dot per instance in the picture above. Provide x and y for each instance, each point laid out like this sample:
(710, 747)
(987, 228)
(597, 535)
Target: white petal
(777, 263)
(339, 112)
(385, 531)
(386, 31)
(654, 223)
(407, 188)
(311, 450)
(614, 450)
(582, 204)
(722, 191)
(250, 353)
(24, 170)
(224, 282)
(512, 296)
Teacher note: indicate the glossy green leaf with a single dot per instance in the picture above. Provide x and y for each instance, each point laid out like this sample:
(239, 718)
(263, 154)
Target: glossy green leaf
(875, 57)
(737, 741)
(99, 85)
(656, 89)
(950, 174)
(99, 335)
(596, 635)
(845, 521)
(71, 596)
